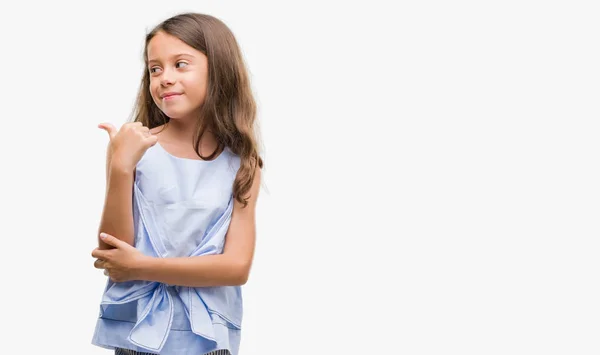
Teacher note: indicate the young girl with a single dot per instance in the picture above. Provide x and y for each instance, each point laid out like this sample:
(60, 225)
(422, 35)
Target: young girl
(178, 227)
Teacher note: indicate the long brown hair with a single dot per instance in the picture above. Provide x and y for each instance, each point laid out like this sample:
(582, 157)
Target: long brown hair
(229, 109)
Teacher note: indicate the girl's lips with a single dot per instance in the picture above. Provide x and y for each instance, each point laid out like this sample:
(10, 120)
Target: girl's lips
(171, 97)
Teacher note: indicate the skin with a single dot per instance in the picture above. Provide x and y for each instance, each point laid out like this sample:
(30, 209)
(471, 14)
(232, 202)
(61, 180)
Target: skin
(174, 67)
(124, 150)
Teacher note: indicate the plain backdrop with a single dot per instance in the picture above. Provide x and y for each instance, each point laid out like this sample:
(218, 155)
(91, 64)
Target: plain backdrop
(431, 181)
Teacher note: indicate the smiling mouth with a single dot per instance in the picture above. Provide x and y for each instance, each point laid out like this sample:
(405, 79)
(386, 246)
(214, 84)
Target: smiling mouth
(168, 97)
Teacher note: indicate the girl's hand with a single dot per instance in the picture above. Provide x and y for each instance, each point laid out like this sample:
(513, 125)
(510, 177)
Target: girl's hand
(128, 145)
(123, 263)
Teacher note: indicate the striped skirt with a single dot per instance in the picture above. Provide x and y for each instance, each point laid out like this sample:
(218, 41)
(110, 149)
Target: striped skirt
(120, 351)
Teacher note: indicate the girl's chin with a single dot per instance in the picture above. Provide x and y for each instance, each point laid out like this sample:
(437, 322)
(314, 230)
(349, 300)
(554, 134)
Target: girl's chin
(176, 115)
(180, 114)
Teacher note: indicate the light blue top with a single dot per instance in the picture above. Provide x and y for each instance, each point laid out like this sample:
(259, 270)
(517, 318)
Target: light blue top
(181, 207)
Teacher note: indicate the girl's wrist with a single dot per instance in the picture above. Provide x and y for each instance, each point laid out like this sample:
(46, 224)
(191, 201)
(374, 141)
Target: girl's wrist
(145, 267)
(119, 168)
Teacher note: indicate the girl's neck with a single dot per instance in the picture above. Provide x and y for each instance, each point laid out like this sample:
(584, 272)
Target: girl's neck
(184, 131)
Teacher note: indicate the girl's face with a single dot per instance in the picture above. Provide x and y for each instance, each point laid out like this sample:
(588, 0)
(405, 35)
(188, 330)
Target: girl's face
(178, 76)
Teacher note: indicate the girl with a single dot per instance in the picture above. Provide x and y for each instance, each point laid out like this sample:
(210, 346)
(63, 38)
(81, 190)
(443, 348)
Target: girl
(178, 226)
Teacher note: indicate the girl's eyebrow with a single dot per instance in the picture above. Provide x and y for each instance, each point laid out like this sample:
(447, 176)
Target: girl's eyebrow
(172, 57)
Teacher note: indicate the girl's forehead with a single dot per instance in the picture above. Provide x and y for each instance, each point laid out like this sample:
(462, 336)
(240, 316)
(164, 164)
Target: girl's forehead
(165, 47)
(160, 41)
(164, 44)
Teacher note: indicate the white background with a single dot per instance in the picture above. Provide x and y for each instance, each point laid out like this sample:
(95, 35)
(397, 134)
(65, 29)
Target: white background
(431, 182)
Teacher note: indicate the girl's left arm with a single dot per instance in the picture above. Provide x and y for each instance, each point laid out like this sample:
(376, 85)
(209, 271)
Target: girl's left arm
(230, 268)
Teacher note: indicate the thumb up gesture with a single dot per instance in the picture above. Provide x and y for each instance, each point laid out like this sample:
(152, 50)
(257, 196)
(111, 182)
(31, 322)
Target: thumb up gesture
(128, 144)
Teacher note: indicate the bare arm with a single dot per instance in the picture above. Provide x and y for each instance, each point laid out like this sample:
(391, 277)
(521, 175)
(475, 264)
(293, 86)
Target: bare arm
(230, 268)
(125, 149)
(117, 216)
(195, 271)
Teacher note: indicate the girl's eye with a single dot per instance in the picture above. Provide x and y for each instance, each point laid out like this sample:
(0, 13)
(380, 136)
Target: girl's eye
(152, 69)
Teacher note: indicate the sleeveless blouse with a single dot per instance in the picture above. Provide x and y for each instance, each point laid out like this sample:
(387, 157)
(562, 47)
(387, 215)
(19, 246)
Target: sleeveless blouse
(181, 207)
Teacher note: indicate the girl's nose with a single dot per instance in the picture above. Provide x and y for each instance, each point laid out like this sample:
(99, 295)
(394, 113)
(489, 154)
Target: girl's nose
(167, 78)
(166, 81)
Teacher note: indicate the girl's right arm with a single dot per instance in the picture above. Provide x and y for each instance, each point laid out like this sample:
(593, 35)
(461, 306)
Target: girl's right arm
(117, 216)
(125, 150)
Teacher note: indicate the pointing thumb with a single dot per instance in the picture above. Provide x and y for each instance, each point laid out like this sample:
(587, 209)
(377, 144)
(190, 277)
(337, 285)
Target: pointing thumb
(108, 128)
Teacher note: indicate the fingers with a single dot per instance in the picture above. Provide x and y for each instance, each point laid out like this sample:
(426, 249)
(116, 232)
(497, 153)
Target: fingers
(149, 138)
(100, 264)
(108, 128)
(100, 254)
(110, 240)
(135, 125)
(145, 130)
(112, 131)
(152, 140)
(130, 128)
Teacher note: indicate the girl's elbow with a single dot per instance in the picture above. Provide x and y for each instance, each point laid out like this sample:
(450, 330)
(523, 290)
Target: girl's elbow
(239, 281)
(242, 274)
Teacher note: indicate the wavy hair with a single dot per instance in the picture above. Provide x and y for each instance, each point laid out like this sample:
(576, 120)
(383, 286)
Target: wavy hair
(229, 109)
